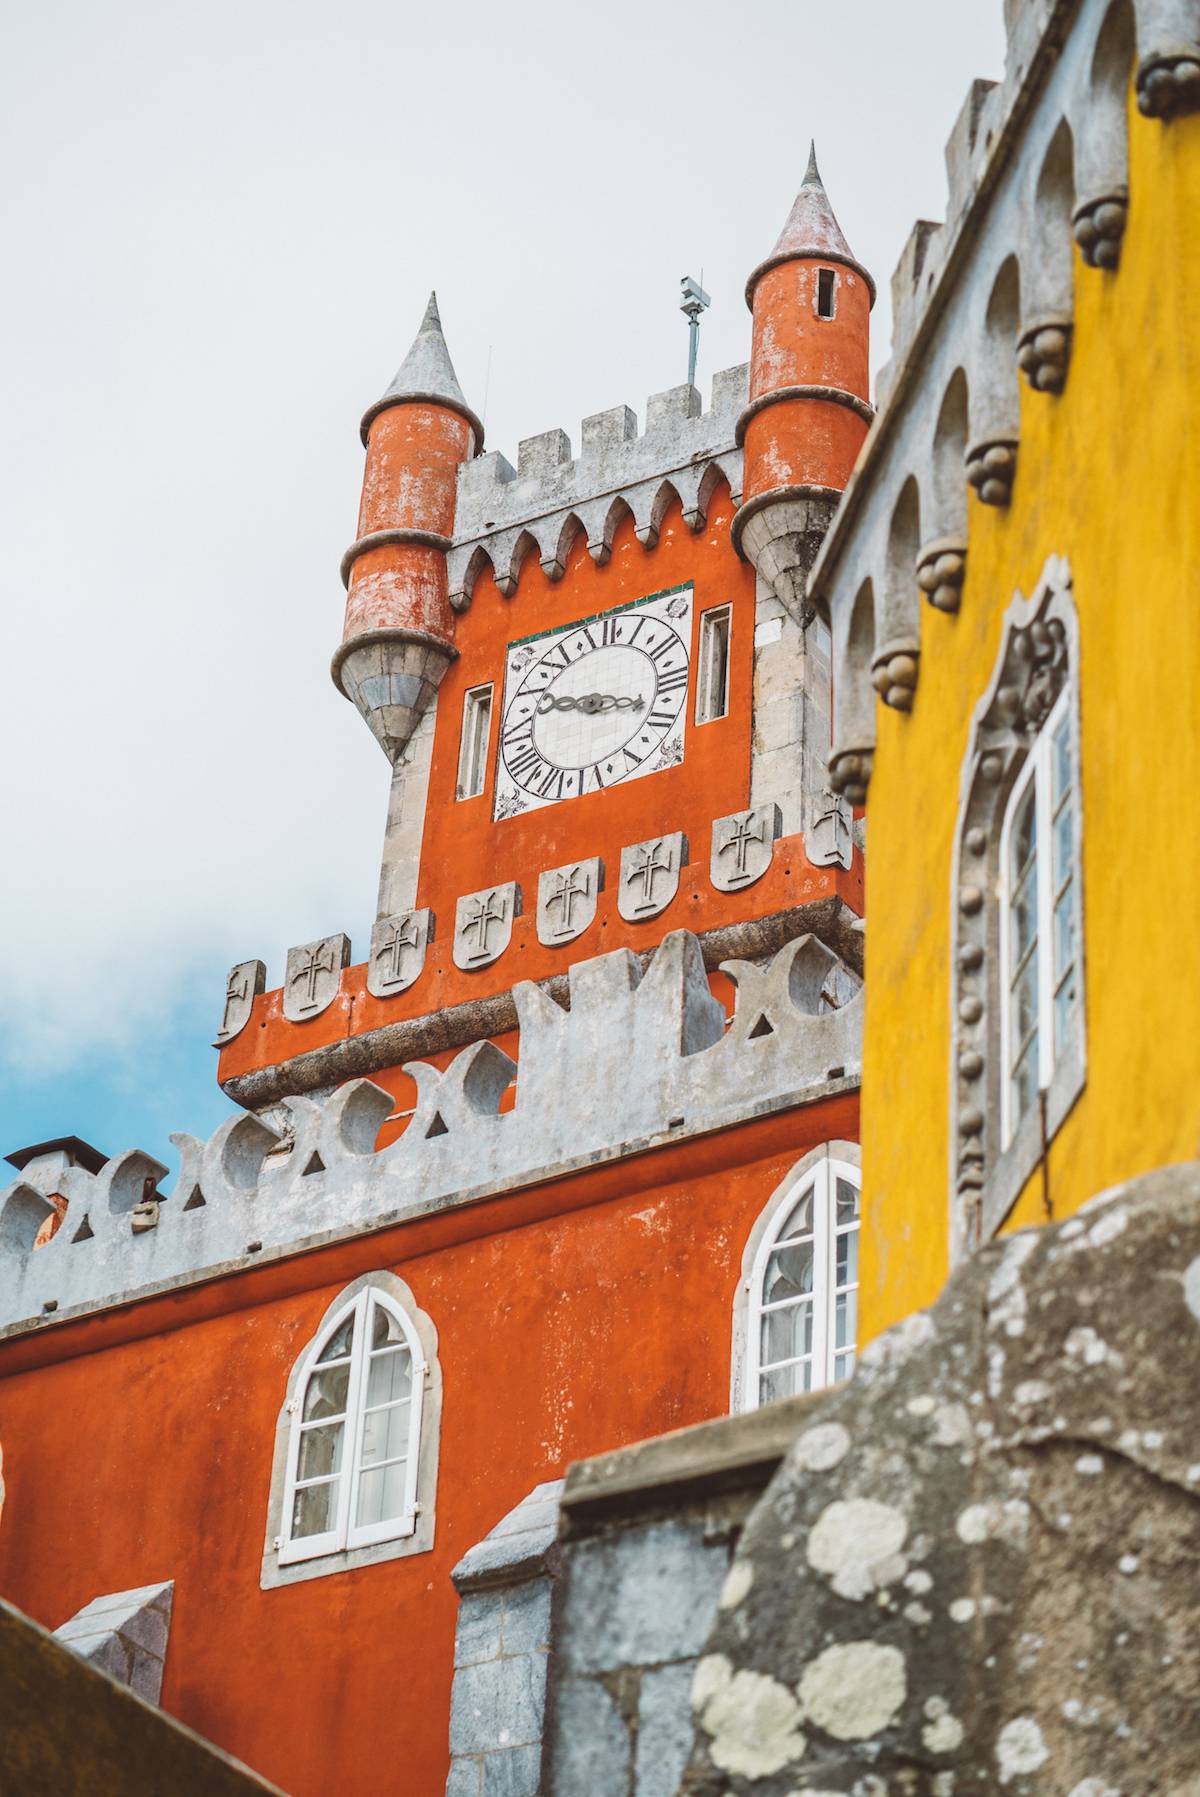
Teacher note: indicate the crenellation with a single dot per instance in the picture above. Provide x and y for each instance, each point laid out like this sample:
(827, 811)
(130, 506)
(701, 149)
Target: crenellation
(504, 514)
(647, 1047)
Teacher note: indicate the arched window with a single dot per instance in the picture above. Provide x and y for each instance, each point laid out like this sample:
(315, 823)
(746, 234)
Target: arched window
(1018, 1042)
(1038, 881)
(355, 1462)
(795, 1328)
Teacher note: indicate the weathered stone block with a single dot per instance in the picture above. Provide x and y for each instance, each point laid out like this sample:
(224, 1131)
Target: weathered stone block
(640, 1597)
(498, 1702)
(515, 1772)
(477, 1638)
(525, 1621)
(664, 1738)
(590, 1755)
(465, 1779)
(979, 1557)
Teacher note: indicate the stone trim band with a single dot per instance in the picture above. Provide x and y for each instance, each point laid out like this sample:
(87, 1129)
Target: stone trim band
(386, 636)
(382, 539)
(835, 396)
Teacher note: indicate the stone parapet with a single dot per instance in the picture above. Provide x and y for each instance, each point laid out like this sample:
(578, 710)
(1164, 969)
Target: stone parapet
(504, 514)
(643, 1057)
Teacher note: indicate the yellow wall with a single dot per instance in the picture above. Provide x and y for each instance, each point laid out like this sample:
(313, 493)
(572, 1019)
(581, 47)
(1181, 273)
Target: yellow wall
(1109, 476)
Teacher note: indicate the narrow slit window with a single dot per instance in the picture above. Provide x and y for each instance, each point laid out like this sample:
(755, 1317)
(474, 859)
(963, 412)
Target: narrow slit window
(712, 693)
(826, 293)
(473, 745)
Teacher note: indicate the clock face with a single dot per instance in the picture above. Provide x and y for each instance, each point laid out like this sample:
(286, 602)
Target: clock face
(596, 703)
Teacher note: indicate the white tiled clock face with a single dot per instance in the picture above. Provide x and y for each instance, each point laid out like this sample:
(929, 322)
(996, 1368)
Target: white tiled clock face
(595, 704)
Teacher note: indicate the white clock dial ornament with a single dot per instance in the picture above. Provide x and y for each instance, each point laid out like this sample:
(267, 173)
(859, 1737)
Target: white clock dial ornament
(595, 704)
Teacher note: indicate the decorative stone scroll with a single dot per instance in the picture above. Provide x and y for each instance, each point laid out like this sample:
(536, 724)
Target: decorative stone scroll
(242, 987)
(650, 875)
(566, 900)
(743, 847)
(313, 977)
(398, 946)
(483, 923)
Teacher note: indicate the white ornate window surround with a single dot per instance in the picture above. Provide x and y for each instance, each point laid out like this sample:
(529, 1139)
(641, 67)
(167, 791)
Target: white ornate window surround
(799, 1282)
(1018, 1035)
(354, 1472)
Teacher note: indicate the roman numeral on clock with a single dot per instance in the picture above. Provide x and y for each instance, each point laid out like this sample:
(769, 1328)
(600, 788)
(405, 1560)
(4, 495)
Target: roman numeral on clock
(672, 679)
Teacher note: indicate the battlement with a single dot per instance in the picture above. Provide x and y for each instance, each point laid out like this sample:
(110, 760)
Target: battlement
(636, 1060)
(504, 513)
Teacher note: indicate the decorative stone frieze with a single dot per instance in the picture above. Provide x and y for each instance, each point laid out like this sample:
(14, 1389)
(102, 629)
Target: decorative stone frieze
(1169, 85)
(941, 571)
(743, 847)
(1043, 355)
(992, 468)
(398, 947)
(244, 984)
(894, 674)
(483, 924)
(638, 1059)
(850, 772)
(313, 977)
(1099, 226)
(650, 875)
(566, 900)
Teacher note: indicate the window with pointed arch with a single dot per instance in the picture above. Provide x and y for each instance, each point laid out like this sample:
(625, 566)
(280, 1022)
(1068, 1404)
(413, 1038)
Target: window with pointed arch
(796, 1321)
(356, 1445)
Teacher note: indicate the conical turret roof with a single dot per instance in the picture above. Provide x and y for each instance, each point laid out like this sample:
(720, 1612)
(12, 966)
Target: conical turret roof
(426, 373)
(811, 233)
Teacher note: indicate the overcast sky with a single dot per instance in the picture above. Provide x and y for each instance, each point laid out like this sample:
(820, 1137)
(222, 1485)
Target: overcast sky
(221, 223)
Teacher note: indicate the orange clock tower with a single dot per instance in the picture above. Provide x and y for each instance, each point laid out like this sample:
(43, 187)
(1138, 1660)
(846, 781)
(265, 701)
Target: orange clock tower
(566, 1156)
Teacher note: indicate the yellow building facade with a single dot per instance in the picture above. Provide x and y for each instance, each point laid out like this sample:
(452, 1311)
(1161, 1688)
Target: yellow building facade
(1013, 583)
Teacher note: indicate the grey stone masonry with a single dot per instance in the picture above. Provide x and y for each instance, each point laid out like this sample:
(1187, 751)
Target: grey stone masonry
(539, 507)
(501, 1652)
(644, 1055)
(125, 1635)
(646, 1540)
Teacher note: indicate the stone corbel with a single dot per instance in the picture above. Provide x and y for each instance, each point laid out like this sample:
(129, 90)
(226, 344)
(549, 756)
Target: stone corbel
(1099, 226)
(894, 673)
(1168, 84)
(1043, 354)
(850, 771)
(941, 570)
(992, 468)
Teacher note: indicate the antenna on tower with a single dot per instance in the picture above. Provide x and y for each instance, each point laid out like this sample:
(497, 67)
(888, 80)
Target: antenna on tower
(694, 301)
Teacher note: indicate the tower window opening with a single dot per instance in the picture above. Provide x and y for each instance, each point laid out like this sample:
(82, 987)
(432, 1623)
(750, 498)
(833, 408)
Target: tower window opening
(712, 691)
(826, 293)
(473, 744)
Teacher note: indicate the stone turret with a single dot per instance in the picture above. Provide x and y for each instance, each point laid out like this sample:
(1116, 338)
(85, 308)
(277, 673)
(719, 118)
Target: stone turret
(808, 410)
(399, 632)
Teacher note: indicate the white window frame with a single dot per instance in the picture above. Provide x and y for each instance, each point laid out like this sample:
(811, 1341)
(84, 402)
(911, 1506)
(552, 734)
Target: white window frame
(820, 1171)
(1038, 773)
(474, 748)
(346, 1534)
(715, 616)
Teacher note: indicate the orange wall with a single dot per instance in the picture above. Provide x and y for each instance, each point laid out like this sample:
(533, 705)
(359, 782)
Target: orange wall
(560, 1337)
(464, 850)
